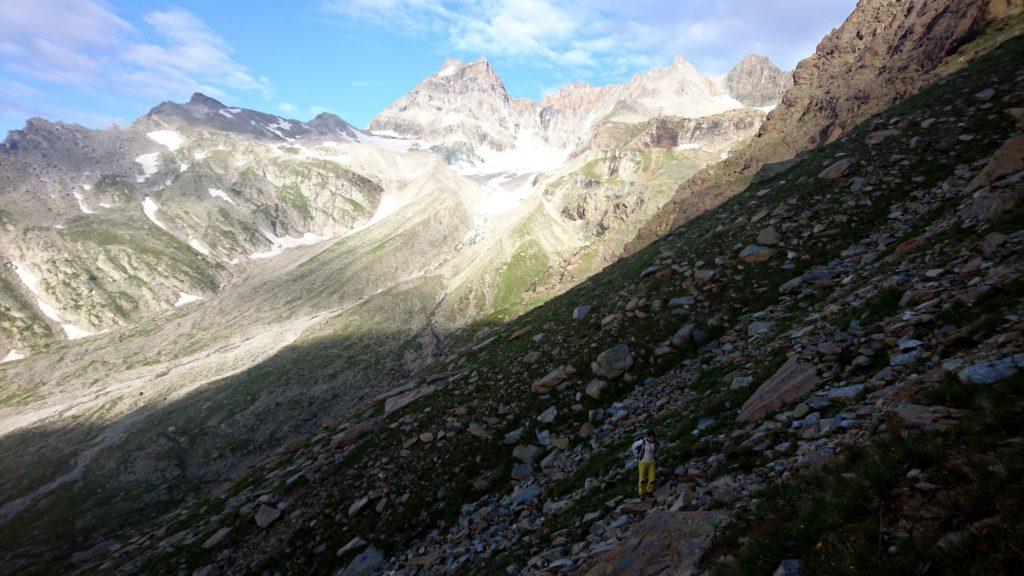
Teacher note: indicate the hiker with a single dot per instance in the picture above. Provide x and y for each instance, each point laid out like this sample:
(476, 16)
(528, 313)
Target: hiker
(646, 451)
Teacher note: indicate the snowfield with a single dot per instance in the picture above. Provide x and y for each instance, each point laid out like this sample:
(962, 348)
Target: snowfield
(149, 208)
(220, 194)
(150, 165)
(168, 138)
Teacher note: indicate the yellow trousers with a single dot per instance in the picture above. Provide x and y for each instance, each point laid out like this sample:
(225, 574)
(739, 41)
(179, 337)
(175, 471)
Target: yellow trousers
(646, 470)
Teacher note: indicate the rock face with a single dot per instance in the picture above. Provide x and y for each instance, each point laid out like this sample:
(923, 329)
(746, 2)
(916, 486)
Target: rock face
(460, 103)
(464, 108)
(664, 542)
(794, 380)
(757, 82)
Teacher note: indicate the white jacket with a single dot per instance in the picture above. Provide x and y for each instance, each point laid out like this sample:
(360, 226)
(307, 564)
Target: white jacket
(645, 451)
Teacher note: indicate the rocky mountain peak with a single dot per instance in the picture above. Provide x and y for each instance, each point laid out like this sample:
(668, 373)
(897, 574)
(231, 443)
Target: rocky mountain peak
(200, 99)
(757, 81)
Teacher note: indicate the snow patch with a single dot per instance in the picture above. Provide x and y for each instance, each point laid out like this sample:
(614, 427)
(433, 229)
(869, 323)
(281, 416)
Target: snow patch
(169, 138)
(150, 164)
(448, 70)
(182, 167)
(31, 281)
(280, 243)
(765, 109)
(186, 298)
(220, 194)
(688, 146)
(150, 207)
(229, 112)
(12, 356)
(81, 202)
(197, 245)
(199, 155)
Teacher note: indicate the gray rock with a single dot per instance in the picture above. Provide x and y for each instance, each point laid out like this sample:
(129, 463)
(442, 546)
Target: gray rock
(522, 471)
(837, 169)
(594, 388)
(681, 301)
(845, 393)
(788, 568)
(769, 237)
(613, 362)
(266, 515)
(992, 372)
(548, 415)
(581, 312)
(525, 494)
(684, 335)
(741, 382)
(526, 452)
(364, 564)
(759, 328)
(755, 253)
(217, 538)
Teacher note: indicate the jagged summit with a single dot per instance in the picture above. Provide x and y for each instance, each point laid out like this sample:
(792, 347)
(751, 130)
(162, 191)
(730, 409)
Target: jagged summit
(200, 99)
(757, 81)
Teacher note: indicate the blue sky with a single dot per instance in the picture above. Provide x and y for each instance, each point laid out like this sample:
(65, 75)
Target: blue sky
(97, 62)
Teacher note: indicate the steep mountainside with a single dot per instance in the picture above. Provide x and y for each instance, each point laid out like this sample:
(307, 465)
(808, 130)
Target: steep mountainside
(837, 391)
(883, 52)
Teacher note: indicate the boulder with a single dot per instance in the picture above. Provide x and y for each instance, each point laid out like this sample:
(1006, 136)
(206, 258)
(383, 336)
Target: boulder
(793, 381)
(354, 432)
(402, 400)
(992, 372)
(365, 564)
(547, 383)
(477, 430)
(581, 312)
(613, 362)
(684, 335)
(266, 515)
(664, 542)
(837, 169)
(594, 388)
(548, 416)
(216, 538)
(754, 254)
(1008, 159)
(769, 237)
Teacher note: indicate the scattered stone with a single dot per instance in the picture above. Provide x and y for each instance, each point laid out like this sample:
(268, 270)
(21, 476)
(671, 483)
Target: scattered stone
(548, 416)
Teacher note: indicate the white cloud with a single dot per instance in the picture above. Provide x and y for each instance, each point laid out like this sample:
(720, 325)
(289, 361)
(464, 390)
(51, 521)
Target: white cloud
(287, 107)
(607, 36)
(85, 44)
